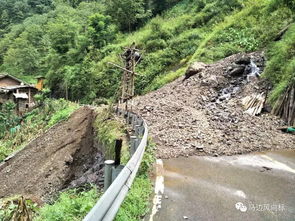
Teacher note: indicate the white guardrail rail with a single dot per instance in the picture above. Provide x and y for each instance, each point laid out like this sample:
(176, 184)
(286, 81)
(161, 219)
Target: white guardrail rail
(108, 205)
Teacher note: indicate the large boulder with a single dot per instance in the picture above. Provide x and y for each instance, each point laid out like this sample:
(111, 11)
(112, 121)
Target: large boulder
(245, 60)
(237, 70)
(210, 81)
(194, 69)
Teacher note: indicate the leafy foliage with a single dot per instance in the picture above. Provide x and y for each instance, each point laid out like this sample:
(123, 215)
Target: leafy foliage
(127, 13)
(71, 42)
(71, 205)
(15, 11)
(8, 118)
(33, 123)
(10, 207)
(280, 68)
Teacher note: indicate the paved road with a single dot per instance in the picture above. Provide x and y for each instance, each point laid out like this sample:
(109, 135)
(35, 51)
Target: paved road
(248, 187)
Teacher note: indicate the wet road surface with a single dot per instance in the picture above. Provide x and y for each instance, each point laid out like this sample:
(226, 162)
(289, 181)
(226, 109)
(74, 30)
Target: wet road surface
(250, 187)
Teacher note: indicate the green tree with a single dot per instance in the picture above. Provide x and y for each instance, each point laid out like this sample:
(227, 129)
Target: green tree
(101, 30)
(127, 14)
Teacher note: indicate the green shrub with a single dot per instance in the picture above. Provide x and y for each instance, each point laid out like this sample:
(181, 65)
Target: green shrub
(274, 4)
(9, 207)
(70, 206)
(136, 204)
(154, 45)
(8, 118)
(280, 68)
(61, 115)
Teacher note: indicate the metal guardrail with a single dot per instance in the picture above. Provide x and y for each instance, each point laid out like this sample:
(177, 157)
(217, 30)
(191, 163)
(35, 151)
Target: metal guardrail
(108, 205)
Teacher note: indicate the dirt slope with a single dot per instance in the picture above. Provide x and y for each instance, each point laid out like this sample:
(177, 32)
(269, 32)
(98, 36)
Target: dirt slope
(53, 160)
(187, 117)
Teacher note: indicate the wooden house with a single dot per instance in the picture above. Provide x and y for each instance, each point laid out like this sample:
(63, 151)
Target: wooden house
(14, 90)
(8, 80)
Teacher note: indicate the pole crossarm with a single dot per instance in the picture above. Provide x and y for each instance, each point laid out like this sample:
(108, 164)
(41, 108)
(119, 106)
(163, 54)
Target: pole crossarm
(118, 66)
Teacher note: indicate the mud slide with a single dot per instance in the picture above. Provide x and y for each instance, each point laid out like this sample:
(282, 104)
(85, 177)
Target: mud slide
(203, 115)
(57, 159)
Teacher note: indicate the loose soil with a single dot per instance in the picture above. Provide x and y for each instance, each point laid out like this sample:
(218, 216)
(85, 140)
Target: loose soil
(187, 117)
(64, 156)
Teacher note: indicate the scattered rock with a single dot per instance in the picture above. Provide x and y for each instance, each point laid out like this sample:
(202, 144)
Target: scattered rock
(245, 60)
(210, 81)
(194, 69)
(264, 168)
(187, 116)
(238, 70)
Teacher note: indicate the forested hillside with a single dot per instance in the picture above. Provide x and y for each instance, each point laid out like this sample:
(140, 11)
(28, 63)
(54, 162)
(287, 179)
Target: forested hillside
(70, 41)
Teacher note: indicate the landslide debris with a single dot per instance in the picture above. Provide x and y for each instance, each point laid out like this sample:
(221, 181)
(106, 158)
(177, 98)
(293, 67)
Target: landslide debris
(64, 156)
(203, 114)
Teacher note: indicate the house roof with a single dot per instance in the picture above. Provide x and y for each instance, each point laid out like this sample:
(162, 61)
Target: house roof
(8, 89)
(4, 75)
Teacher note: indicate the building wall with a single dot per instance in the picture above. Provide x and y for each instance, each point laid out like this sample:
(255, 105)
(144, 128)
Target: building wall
(7, 81)
(30, 92)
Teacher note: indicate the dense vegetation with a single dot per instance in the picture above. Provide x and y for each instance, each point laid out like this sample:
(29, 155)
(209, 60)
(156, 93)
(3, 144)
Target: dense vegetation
(16, 132)
(71, 205)
(70, 42)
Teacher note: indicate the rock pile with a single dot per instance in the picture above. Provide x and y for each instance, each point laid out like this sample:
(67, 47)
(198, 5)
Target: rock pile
(188, 117)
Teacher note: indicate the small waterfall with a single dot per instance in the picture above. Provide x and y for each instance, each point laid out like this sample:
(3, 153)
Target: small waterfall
(255, 71)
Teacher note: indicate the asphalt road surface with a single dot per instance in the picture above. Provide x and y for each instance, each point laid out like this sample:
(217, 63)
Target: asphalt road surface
(250, 187)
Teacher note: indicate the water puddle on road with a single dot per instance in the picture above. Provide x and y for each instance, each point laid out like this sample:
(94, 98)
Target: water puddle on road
(208, 188)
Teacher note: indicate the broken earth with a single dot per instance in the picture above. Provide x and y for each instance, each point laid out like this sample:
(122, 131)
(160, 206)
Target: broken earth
(203, 114)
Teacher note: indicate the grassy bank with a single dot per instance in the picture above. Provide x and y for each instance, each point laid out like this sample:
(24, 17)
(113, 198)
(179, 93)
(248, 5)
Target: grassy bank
(205, 30)
(110, 128)
(72, 205)
(137, 203)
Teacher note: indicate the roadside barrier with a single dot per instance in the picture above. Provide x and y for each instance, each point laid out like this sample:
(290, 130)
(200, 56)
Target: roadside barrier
(108, 205)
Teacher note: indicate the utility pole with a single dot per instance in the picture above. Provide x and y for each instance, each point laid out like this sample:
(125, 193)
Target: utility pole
(131, 57)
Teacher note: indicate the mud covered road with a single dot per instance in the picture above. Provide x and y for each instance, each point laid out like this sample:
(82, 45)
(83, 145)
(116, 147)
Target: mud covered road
(58, 158)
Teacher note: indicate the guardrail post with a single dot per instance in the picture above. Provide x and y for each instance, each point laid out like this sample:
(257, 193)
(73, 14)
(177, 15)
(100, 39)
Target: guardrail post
(109, 204)
(116, 171)
(108, 164)
(118, 148)
(138, 140)
(134, 119)
(139, 130)
(139, 122)
(130, 115)
(133, 142)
